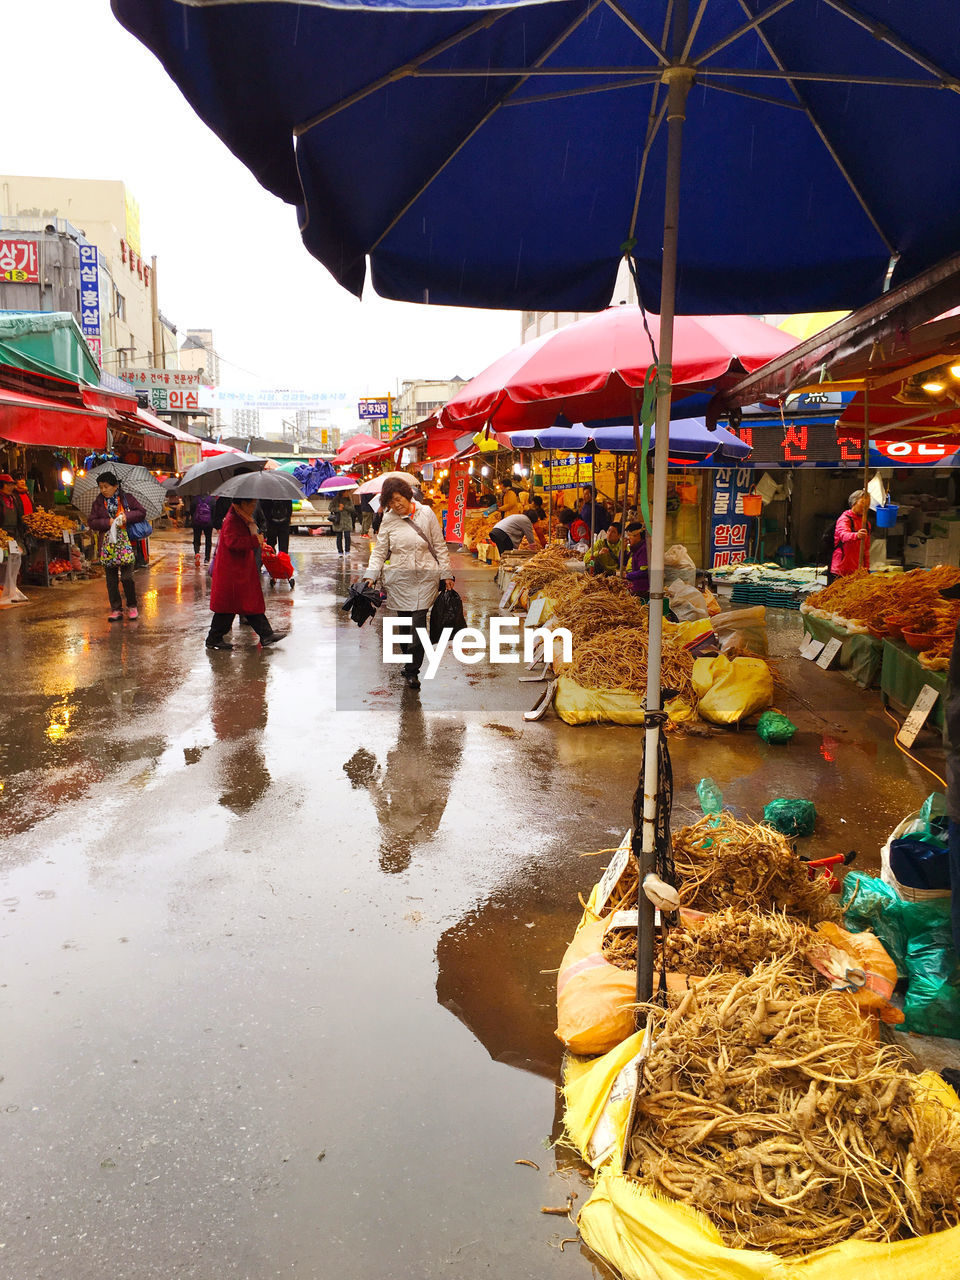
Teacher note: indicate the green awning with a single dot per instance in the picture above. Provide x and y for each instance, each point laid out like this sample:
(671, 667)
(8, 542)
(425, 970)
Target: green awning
(47, 342)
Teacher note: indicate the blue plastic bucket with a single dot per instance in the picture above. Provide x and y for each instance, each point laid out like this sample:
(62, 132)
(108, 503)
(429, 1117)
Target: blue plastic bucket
(887, 516)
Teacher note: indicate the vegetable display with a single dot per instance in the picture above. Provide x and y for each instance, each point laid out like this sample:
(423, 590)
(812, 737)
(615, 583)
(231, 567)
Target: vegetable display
(46, 525)
(617, 659)
(890, 603)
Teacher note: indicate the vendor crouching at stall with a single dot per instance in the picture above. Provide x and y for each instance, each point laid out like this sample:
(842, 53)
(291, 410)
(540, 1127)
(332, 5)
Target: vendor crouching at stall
(638, 566)
(603, 558)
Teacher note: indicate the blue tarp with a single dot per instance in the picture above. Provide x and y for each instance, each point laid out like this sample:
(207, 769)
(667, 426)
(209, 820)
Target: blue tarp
(468, 150)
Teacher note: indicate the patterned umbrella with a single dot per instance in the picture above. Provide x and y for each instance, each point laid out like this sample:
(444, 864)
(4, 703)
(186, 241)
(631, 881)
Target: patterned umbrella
(137, 481)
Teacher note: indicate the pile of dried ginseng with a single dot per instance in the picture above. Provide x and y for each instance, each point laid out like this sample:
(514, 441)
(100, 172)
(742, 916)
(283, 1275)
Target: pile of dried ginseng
(735, 938)
(720, 860)
(617, 659)
(542, 568)
(766, 1104)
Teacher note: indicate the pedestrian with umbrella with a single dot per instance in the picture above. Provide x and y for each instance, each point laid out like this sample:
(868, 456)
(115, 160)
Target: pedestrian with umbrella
(235, 587)
(117, 501)
(112, 514)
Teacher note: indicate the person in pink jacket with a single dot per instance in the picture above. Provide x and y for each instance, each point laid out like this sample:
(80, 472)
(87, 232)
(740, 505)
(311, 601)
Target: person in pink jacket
(851, 537)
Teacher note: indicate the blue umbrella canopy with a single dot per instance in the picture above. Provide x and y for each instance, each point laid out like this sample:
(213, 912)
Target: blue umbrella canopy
(690, 441)
(509, 150)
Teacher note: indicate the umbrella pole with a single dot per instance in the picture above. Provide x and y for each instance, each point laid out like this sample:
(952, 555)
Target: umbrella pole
(678, 79)
(623, 514)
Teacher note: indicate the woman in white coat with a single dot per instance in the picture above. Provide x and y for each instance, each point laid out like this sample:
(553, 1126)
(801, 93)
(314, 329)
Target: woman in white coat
(410, 538)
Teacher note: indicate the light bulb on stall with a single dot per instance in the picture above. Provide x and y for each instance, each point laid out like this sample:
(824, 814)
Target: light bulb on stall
(484, 471)
(66, 477)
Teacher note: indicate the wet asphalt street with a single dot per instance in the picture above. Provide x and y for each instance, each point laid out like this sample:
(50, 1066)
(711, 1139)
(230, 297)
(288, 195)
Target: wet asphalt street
(272, 987)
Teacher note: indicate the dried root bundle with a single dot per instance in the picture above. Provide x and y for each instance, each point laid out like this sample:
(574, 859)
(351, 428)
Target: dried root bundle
(541, 569)
(617, 659)
(767, 1105)
(720, 860)
(733, 939)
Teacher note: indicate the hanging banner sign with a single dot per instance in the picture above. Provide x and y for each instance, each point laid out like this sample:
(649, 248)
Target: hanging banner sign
(19, 262)
(271, 398)
(569, 473)
(729, 527)
(89, 290)
(457, 501)
(186, 454)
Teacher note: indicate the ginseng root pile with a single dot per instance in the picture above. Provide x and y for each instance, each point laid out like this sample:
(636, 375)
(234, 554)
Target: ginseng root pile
(767, 1105)
(734, 939)
(720, 860)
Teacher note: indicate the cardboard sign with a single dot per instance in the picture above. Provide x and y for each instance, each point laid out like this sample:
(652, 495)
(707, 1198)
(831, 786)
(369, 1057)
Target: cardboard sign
(830, 651)
(914, 722)
(811, 648)
(629, 918)
(611, 877)
(535, 612)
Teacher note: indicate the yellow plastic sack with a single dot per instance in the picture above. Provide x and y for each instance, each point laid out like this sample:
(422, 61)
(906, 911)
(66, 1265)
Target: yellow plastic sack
(648, 1237)
(729, 691)
(689, 633)
(576, 705)
(595, 999)
(594, 1119)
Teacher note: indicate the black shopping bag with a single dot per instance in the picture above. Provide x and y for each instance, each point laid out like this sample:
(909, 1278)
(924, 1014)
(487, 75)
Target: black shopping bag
(447, 612)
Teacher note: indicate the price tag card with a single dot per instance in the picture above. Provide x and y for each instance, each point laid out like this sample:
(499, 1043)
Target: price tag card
(831, 649)
(614, 871)
(811, 648)
(535, 612)
(914, 722)
(626, 919)
(67, 536)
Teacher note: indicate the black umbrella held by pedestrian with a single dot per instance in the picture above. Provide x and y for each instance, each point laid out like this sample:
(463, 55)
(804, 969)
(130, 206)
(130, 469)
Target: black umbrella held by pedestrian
(362, 602)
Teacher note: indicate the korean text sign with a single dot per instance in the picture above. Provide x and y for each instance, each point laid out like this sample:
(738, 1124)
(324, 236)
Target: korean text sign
(89, 290)
(19, 262)
(457, 505)
(729, 527)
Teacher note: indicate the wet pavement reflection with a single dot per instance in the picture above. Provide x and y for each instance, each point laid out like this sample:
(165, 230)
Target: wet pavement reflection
(278, 979)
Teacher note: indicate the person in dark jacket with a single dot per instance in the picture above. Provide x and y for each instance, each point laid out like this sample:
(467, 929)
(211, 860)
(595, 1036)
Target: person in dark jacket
(278, 516)
(236, 579)
(601, 516)
(112, 511)
(202, 511)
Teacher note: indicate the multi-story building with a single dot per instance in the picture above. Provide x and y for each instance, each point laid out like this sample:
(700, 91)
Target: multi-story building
(420, 397)
(245, 423)
(198, 352)
(74, 244)
(312, 429)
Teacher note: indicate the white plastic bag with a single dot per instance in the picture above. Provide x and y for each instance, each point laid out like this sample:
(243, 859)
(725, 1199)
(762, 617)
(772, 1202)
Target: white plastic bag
(678, 557)
(686, 602)
(742, 630)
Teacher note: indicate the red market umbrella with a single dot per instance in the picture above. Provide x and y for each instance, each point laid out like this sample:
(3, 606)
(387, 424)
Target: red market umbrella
(354, 448)
(590, 370)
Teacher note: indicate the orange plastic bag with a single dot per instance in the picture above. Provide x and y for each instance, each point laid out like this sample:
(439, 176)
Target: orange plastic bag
(859, 953)
(595, 999)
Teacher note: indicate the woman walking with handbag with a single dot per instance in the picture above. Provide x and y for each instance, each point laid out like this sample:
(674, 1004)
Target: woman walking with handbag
(112, 513)
(411, 539)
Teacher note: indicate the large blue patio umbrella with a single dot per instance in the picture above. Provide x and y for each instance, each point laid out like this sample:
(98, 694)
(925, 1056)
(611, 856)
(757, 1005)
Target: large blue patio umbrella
(505, 154)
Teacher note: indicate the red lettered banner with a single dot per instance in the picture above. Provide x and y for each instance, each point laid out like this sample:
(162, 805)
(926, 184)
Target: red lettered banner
(457, 501)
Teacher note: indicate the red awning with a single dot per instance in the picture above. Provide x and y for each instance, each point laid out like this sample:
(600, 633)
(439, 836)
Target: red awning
(101, 398)
(33, 420)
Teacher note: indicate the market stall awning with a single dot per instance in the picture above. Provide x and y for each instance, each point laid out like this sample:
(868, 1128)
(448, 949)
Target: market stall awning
(354, 449)
(48, 343)
(34, 420)
(896, 413)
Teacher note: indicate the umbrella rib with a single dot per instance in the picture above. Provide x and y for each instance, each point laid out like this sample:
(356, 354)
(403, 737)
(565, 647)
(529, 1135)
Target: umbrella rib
(639, 32)
(757, 97)
(576, 93)
(398, 73)
(694, 28)
(653, 128)
(825, 140)
(888, 37)
(550, 49)
(820, 77)
(741, 31)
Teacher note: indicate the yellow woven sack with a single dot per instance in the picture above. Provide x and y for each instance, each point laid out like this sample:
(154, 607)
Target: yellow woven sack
(729, 691)
(595, 999)
(649, 1237)
(576, 705)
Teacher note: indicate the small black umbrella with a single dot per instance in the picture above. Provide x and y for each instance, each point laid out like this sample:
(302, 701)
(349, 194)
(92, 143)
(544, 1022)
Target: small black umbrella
(261, 485)
(205, 476)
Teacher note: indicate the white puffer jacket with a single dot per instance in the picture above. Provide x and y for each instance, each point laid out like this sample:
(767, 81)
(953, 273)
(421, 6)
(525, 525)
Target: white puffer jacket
(412, 577)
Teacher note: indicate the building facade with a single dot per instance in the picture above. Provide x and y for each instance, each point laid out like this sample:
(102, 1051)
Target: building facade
(87, 252)
(419, 397)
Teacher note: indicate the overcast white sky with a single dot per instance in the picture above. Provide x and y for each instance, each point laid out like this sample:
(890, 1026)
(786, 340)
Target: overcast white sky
(229, 255)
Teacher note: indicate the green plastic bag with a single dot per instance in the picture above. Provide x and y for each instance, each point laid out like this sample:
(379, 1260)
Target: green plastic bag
(791, 817)
(775, 727)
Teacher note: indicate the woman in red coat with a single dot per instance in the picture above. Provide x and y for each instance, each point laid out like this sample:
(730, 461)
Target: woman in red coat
(236, 581)
(851, 537)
